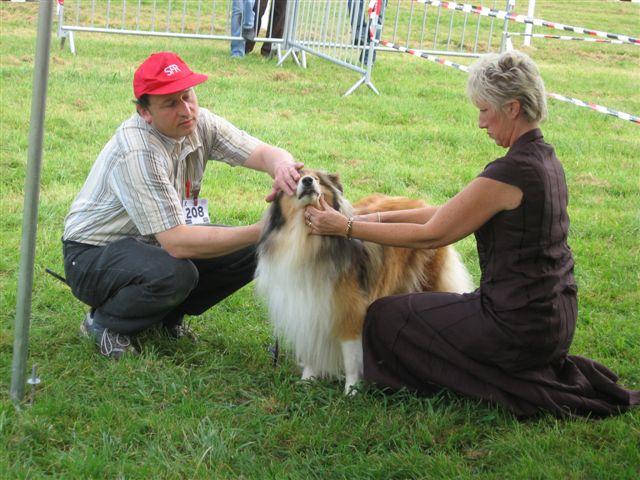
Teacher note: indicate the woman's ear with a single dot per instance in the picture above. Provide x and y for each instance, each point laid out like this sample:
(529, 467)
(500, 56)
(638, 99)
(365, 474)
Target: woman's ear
(512, 109)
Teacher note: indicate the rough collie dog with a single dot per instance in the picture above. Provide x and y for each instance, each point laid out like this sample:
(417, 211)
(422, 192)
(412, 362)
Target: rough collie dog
(318, 288)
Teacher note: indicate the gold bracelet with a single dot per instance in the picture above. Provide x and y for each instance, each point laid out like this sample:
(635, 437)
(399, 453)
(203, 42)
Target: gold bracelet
(349, 227)
(379, 217)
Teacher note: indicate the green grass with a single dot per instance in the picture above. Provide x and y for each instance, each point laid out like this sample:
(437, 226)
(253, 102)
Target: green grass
(219, 409)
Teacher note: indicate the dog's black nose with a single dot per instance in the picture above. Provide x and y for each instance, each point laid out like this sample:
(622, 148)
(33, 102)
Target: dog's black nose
(307, 181)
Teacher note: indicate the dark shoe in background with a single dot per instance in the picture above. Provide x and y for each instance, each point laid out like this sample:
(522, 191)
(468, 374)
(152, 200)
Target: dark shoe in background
(248, 34)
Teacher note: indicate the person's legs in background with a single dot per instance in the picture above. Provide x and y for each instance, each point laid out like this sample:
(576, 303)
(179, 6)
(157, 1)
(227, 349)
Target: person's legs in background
(359, 16)
(242, 25)
(248, 20)
(259, 7)
(276, 25)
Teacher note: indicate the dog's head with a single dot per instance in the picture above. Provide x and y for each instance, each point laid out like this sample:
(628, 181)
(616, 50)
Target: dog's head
(314, 183)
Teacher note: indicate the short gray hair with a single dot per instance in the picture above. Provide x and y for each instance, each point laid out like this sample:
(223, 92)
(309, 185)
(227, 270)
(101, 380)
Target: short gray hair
(499, 78)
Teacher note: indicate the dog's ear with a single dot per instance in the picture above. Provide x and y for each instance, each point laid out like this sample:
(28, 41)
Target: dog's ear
(334, 178)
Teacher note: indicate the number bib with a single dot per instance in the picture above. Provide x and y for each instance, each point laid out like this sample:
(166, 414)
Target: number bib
(195, 214)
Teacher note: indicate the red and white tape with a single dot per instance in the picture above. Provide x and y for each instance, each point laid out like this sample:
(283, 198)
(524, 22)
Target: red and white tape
(514, 17)
(426, 56)
(598, 108)
(565, 37)
(374, 13)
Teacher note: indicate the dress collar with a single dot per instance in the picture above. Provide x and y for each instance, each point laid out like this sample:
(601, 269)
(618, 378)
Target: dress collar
(522, 140)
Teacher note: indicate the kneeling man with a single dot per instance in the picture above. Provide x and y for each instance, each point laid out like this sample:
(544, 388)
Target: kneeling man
(137, 247)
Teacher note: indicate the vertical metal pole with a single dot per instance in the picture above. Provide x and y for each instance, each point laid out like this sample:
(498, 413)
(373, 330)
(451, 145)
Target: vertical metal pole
(424, 27)
(31, 194)
(409, 27)
(528, 29)
(184, 15)
(450, 29)
(395, 27)
(93, 12)
(464, 28)
(505, 28)
(138, 15)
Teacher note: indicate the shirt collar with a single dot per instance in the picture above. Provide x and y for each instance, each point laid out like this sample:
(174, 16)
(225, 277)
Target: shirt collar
(192, 142)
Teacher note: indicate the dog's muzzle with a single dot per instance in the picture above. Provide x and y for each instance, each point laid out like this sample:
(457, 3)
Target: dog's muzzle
(308, 186)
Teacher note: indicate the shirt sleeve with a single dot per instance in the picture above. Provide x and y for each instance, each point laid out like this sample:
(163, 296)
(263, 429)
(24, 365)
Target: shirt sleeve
(141, 182)
(504, 170)
(223, 141)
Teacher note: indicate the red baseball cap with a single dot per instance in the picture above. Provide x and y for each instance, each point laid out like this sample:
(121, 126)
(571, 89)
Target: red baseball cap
(164, 73)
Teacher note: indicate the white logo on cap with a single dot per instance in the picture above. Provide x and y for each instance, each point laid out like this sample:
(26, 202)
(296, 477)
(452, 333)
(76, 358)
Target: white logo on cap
(171, 69)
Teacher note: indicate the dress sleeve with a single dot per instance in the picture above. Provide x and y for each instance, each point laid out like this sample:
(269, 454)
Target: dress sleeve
(141, 183)
(504, 170)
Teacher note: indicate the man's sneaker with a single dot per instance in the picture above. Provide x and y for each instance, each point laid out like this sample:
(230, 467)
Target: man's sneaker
(248, 34)
(111, 344)
(180, 330)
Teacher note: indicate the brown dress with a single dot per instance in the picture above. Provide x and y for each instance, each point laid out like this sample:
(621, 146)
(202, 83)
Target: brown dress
(508, 341)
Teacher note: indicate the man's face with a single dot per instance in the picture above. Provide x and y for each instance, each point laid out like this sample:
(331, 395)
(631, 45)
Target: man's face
(173, 115)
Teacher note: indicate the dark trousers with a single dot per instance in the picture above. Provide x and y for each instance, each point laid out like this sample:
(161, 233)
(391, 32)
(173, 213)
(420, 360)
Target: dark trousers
(133, 285)
(276, 26)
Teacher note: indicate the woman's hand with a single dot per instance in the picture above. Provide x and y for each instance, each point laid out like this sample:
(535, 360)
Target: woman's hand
(326, 221)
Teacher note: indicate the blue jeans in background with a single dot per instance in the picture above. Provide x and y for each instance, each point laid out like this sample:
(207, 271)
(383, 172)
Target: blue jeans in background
(242, 17)
(359, 16)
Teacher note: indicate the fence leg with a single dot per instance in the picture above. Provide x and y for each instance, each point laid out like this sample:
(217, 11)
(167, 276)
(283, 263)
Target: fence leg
(72, 44)
(528, 29)
(355, 85)
(372, 87)
(289, 28)
(505, 43)
(62, 33)
(63, 37)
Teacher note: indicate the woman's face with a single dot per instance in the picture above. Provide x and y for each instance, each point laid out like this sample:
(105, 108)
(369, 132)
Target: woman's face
(498, 125)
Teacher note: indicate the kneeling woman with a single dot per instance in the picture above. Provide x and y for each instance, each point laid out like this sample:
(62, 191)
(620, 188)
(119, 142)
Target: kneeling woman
(508, 341)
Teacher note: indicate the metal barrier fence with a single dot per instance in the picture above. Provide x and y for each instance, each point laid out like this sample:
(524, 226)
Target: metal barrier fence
(345, 32)
(201, 19)
(337, 31)
(436, 28)
(348, 32)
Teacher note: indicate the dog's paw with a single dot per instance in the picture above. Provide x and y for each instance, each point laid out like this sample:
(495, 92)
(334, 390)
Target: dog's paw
(308, 373)
(351, 389)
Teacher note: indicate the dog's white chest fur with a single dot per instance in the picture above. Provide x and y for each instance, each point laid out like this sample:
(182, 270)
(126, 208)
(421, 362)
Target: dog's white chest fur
(299, 295)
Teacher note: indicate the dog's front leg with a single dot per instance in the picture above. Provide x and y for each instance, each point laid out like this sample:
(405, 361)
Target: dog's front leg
(308, 373)
(352, 356)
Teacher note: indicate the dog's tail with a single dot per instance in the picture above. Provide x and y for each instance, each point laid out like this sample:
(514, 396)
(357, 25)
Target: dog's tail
(454, 276)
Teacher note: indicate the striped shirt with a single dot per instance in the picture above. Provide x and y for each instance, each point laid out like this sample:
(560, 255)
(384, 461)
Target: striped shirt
(136, 185)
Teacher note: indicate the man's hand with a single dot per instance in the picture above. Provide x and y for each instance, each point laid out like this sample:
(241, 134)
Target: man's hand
(280, 165)
(285, 179)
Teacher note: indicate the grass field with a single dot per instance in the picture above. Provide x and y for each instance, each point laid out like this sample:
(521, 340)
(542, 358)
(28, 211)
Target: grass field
(219, 409)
